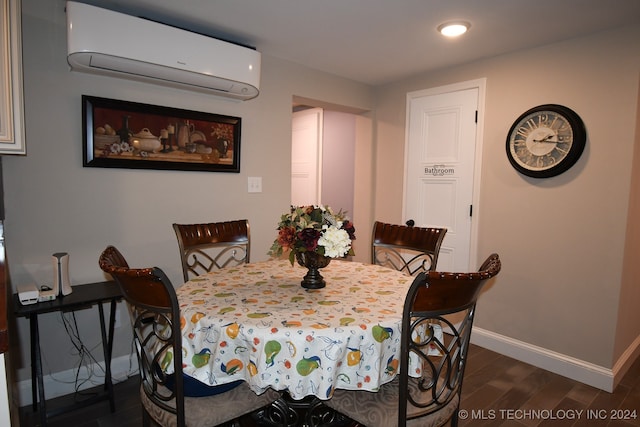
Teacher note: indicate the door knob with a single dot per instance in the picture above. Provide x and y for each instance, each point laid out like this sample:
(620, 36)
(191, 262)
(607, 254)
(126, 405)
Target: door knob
(410, 223)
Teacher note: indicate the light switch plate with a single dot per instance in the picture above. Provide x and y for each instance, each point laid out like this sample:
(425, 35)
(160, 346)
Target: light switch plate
(255, 184)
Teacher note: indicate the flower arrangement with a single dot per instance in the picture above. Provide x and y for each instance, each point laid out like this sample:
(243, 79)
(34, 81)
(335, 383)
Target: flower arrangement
(314, 229)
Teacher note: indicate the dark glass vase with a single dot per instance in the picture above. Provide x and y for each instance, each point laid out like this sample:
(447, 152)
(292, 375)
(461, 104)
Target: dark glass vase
(125, 133)
(313, 262)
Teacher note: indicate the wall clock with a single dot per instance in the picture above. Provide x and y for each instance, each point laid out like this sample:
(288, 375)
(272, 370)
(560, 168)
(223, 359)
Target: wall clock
(546, 141)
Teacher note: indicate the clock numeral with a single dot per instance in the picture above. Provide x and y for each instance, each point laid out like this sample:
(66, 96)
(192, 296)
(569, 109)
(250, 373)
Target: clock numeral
(523, 154)
(565, 137)
(522, 131)
(542, 120)
(528, 158)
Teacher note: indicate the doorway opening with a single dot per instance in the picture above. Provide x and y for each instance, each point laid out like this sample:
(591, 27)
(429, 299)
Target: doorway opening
(331, 161)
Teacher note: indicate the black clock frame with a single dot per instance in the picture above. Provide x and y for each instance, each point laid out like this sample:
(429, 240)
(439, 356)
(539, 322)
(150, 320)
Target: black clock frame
(577, 146)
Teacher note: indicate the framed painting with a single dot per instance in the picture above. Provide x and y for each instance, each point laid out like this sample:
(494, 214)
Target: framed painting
(11, 97)
(131, 135)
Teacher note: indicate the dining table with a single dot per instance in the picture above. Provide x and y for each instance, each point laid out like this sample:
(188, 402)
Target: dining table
(255, 322)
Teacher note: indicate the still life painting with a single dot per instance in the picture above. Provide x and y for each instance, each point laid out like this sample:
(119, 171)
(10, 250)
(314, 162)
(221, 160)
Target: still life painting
(123, 134)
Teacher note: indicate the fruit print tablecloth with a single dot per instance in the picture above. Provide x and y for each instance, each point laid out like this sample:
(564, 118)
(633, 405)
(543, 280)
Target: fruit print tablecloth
(255, 322)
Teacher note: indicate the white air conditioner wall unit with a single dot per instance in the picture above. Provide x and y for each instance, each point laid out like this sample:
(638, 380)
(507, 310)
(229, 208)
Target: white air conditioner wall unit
(106, 42)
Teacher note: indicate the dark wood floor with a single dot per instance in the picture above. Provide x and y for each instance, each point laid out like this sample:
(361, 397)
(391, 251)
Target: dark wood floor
(498, 391)
(506, 392)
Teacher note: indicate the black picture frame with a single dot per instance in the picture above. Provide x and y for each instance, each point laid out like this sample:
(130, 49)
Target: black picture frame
(132, 135)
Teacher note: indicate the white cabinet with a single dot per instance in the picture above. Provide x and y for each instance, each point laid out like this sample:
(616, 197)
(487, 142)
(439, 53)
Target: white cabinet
(11, 101)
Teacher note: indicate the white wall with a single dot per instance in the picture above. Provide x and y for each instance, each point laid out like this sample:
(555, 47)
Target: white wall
(562, 240)
(54, 204)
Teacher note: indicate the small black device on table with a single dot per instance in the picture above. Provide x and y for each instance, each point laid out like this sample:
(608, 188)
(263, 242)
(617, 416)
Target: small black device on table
(83, 296)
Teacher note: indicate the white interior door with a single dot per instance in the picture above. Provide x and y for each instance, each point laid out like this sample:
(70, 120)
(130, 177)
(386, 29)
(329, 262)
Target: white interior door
(306, 157)
(439, 169)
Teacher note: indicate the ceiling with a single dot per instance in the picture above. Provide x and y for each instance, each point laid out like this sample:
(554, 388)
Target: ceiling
(381, 41)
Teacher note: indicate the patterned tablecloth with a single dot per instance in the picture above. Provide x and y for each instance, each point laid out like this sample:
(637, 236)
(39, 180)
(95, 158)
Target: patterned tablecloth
(255, 322)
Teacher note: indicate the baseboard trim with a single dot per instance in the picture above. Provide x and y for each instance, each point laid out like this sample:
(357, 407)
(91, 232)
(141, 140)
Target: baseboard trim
(570, 367)
(63, 383)
(625, 361)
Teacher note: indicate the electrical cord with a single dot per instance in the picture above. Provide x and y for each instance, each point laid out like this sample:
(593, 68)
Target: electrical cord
(86, 359)
(95, 372)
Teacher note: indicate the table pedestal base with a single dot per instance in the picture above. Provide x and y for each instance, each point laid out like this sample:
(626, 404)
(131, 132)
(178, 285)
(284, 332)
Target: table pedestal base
(308, 412)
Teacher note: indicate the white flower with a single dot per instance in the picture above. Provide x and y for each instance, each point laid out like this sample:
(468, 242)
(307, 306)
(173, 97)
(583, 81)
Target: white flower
(335, 241)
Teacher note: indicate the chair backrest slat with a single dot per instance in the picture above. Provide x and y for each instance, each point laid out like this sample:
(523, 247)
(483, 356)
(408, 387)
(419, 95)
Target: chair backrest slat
(403, 248)
(208, 246)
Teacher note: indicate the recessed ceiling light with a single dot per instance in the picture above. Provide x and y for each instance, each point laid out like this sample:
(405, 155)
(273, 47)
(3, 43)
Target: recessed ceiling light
(453, 29)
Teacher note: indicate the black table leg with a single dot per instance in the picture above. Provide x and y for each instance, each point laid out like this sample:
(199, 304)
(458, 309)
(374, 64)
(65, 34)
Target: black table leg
(107, 347)
(112, 324)
(37, 358)
(33, 336)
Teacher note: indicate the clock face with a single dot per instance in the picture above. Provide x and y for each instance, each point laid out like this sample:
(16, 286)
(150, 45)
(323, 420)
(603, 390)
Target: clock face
(546, 141)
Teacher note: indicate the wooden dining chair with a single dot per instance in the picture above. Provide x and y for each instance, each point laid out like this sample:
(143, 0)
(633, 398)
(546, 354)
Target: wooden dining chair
(426, 391)
(404, 248)
(209, 246)
(155, 318)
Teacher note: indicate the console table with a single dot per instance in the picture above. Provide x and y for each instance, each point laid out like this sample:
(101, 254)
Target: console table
(82, 297)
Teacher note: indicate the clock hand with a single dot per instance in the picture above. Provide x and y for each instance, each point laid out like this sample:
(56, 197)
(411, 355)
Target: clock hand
(545, 139)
